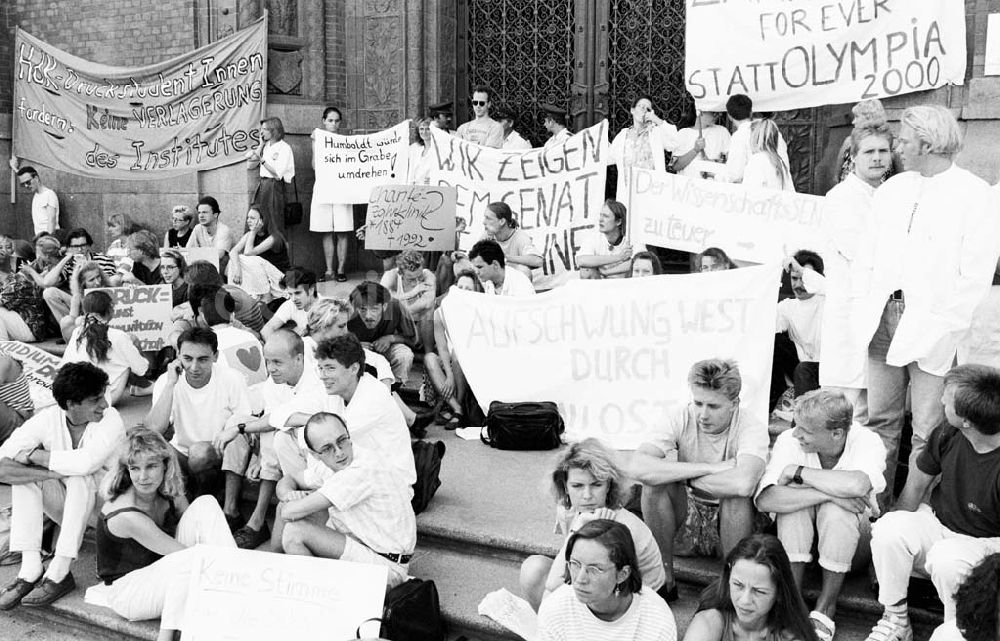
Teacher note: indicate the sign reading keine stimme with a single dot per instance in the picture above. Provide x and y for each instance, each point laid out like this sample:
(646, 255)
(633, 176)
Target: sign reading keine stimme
(194, 112)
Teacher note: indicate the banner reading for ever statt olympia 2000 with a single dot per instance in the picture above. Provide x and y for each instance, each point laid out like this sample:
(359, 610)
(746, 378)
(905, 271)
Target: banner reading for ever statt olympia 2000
(193, 112)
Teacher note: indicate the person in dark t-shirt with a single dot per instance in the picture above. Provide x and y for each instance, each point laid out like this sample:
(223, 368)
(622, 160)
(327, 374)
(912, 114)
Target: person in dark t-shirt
(946, 538)
(384, 326)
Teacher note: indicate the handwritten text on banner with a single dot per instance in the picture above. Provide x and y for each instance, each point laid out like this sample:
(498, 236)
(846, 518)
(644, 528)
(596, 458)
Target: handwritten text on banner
(349, 167)
(39, 368)
(143, 312)
(411, 217)
(796, 54)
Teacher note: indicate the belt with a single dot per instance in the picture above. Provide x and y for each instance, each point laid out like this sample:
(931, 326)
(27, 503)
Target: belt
(896, 295)
(402, 559)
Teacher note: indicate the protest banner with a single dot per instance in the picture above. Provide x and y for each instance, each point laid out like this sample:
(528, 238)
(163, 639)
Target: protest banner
(191, 254)
(411, 217)
(143, 312)
(349, 167)
(193, 112)
(556, 193)
(793, 55)
(692, 214)
(246, 595)
(39, 368)
(614, 355)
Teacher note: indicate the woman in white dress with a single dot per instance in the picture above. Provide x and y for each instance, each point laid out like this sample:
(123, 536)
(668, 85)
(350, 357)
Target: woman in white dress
(332, 220)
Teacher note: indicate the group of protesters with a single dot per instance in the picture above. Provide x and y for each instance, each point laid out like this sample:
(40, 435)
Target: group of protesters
(262, 378)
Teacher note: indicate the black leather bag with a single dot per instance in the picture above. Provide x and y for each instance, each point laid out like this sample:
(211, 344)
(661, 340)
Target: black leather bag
(523, 426)
(293, 210)
(412, 612)
(427, 461)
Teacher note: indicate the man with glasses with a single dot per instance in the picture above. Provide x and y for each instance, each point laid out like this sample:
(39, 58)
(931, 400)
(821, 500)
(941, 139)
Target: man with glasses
(79, 250)
(44, 203)
(483, 130)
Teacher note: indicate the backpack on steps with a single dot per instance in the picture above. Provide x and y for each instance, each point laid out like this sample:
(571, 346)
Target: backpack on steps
(427, 461)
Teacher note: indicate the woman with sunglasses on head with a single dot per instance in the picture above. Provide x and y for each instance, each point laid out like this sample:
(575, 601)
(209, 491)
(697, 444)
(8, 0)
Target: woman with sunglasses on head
(332, 220)
(604, 598)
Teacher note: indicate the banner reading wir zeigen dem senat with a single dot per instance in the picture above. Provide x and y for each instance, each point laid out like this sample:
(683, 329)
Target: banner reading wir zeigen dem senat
(793, 54)
(194, 112)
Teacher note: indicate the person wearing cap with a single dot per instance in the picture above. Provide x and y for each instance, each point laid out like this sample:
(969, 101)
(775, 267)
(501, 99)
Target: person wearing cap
(441, 115)
(555, 123)
(512, 141)
(483, 130)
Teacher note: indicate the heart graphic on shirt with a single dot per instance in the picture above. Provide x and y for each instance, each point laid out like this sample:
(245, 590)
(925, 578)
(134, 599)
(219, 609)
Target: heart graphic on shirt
(249, 357)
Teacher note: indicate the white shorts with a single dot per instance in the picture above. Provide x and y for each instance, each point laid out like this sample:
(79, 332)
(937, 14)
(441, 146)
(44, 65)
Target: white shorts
(327, 218)
(360, 553)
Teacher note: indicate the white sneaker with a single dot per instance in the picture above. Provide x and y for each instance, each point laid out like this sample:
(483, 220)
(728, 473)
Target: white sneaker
(891, 628)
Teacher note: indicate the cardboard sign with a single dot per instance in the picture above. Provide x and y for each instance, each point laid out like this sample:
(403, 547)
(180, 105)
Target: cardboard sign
(615, 354)
(245, 595)
(40, 369)
(349, 167)
(191, 254)
(194, 112)
(143, 312)
(796, 54)
(411, 217)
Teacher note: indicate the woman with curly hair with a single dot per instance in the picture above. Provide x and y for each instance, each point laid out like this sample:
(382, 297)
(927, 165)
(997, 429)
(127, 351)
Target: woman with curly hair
(145, 533)
(588, 485)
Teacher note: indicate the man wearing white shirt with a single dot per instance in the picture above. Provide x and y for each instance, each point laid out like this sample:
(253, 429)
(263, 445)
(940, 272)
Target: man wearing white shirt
(482, 130)
(491, 267)
(555, 123)
(300, 285)
(740, 110)
(44, 201)
(209, 232)
(512, 141)
(821, 481)
(802, 318)
(933, 256)
(54, 463)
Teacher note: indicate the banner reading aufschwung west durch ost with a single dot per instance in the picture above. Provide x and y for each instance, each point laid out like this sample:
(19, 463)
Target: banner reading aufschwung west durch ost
(793, 54)
(194, 112)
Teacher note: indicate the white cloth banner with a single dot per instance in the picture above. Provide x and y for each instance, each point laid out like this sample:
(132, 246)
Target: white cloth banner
(39, 367)
(556, 193)
(692, 214)
(615, 354)
(796, 54)
(349, 167)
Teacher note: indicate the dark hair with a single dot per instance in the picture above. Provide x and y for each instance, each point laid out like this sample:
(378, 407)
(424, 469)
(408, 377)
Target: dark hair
(503, 212)
(976, 601)
(617, 540)
(504, 114)
(27, 169)
(490, 251)
(345, 349)
(483, 89)
(977, 395)
(812, 259)
(79, 232)
(202, 272)
(98, 308)
(369, 293)
(718, 254)
(77, 382)
(321, 417)
(789, 613)
(642, 96)
(199, 336)
(652, 258)
(211, 202)
(739, 106)
(216, 305)
(618, 211)
(178, 258)
(269, 226)
(299, 277)
(465, 273)
(557, 117)
(329, 110)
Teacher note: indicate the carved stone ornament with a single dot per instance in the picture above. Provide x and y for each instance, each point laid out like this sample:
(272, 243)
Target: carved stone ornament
(284, 72)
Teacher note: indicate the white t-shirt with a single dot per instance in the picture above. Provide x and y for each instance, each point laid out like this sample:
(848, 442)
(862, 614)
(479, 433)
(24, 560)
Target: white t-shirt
(199, 414)
(515, 142)
(596, 244)
(123, 355)
(562, 617)
(42, 219)
(287, 311)
(558, 138)
(222, 238)
(514, 284)
(717, 140)
(486, 132)
(803, 320)
(741, 148)
(760, 172)
(279, 158)
(240, 351)
(279, 400)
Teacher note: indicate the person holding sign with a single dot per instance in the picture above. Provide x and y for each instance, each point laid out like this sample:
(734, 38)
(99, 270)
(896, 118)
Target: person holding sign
(512, 140)
(370, 517)
(518, 249)
(241, 351)
(606, 253)
(332, 219)
(642, 144)
(497, 278)
(182, 225)
(260, 257)
(766, 168)
(707, 141)
(276, 166)
(210, 232)
(422, 158)
(483, 130)
(710, 455)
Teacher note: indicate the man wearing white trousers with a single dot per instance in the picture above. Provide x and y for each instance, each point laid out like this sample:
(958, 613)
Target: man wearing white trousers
(54, 463)
(948, 537)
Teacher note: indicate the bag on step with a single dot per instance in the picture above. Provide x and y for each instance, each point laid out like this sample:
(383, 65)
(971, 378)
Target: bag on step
(427, 461)
(412, 612)
(523, 426)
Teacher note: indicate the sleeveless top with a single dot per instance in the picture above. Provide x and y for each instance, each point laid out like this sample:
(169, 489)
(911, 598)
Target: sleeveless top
(116, 556)
(177, 240)
(277, 255)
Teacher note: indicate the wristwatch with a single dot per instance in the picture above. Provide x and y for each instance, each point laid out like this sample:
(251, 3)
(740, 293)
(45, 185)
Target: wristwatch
(242, 427)
(797, 479)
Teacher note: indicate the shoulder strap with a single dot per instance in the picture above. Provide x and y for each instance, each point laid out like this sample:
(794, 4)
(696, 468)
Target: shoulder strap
(357, 633)
(124, 509)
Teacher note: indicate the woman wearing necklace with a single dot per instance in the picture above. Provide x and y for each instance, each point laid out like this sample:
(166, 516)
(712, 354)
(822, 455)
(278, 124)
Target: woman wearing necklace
(606, 252)
(642, 145)
(755, 599)
(518, 248)
(605, 599)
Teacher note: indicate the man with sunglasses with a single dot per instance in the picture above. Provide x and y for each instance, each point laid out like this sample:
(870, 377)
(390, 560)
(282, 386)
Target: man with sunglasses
(483, 130)
(44, 203)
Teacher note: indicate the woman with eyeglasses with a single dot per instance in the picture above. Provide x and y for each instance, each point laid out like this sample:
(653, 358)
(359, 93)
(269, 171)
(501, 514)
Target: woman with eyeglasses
(332, 220)
(172, 267)
(606, 252)
(588, 485)
(604, 598)
(182, 220)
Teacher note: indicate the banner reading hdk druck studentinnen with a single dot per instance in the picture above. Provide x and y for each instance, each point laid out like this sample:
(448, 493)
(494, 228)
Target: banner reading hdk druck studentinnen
(194, 112)
(792, 54)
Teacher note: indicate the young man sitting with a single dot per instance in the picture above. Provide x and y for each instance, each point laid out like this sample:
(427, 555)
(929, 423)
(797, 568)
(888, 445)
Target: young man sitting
(300, 284)
(946, 538)
(491, 266)
(384, 325)
(821, 482)
(802, 318)
(54, 463)
(712, 447)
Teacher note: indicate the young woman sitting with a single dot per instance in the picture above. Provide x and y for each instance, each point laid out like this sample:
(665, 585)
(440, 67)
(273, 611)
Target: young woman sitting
(260, 258)
(88, 275)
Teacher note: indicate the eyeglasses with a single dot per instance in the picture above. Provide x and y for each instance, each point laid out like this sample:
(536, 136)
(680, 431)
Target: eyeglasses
(479, 103)
(596, 571)
(164, 266)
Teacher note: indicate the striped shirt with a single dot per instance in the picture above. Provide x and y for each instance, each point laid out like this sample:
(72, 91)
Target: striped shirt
(106, 263)
(17, 395)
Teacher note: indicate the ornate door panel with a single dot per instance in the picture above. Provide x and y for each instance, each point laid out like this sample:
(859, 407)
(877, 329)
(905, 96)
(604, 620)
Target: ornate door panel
(800, 128)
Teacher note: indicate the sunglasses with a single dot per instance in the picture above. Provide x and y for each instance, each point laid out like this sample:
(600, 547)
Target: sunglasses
(479, 103)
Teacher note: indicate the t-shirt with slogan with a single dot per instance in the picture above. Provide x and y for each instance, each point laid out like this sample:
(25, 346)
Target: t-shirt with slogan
(967, 500)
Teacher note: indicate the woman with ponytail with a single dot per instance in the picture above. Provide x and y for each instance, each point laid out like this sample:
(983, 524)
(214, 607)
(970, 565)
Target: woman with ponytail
(110, 349)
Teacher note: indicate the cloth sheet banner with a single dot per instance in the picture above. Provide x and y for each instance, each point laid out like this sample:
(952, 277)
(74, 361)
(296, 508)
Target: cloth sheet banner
(143, 312)
(192, 254)
(797, 54)
(39, 368)
(692, 214)
(556, 194)
(194, 112)
(411, 217)
(349, 167)
(615, 354)
(246, 595)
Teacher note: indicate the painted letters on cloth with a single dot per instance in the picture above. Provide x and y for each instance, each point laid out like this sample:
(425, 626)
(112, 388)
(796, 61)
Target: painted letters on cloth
(349, 167)
(615, 354)
(39, 368)
(692, 214)
(556, 193)
(194, 112)
(796, 54)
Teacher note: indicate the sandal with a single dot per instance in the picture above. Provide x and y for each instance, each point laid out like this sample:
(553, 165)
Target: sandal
(824, 625)
(445, 414)
(456, 421)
